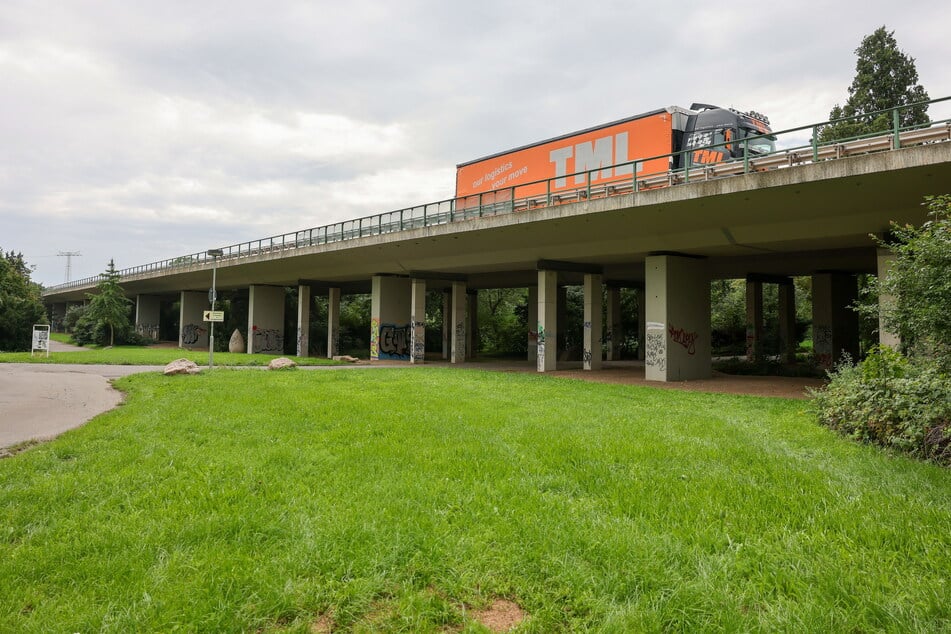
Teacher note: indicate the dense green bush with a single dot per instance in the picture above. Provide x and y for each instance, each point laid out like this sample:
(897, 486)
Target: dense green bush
(890, 401)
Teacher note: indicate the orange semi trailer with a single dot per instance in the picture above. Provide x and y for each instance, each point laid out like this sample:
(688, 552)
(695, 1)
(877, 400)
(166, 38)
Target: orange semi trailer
(608, 153)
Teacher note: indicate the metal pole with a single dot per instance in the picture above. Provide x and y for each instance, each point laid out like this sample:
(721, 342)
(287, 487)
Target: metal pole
(214, 297)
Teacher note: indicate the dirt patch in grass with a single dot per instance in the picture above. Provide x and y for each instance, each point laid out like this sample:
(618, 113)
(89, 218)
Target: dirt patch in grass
(501, 615)
(323, 625)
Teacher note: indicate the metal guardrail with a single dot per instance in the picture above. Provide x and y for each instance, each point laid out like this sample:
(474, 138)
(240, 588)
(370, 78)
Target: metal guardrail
(515, 199)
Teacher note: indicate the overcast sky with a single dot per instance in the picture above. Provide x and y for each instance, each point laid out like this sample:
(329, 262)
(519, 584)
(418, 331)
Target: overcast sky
(146, 130)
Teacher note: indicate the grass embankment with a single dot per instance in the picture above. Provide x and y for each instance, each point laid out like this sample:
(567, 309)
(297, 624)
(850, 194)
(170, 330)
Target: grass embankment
(403, 500)
(138, 355)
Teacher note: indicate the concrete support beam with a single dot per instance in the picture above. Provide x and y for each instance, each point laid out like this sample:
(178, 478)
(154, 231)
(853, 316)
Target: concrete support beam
(333, 322)
(591, 355)
(390, 314)
(192, 330)
(835, 326)
(418, 321)
(885, 261)
(613, 336)
(446, 323)
(532, 319)
(457, 352)
(303, 320)
(787, 322)
(266, 320)
(148, 311)
(754, 320)
(678, 319)
(472, 329)
(547, 359)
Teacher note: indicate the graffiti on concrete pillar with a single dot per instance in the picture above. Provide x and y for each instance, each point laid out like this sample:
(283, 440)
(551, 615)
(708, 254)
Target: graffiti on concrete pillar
(460, 343)
(374, 338)
(394, 342)
(334, 341)
(822, 345)
(267, 340)
(687, 339)
(148, 330)
(418, 340)
(541, 346)
(191, 333)
(655, 353)
(302, 343)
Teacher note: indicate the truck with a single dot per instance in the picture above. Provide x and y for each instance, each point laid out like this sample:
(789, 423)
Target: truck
(653, 143)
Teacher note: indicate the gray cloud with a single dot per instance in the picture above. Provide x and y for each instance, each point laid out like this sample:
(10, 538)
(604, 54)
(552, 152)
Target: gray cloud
(147, 130)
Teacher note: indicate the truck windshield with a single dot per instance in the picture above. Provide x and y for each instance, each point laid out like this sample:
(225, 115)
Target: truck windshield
(761, 145)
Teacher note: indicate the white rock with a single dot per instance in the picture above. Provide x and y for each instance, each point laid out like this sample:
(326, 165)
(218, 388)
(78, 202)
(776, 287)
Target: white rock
(181, 366)
(237, 342)
(281, 363)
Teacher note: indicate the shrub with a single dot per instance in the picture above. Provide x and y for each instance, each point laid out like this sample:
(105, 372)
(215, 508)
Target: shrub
(892, 402)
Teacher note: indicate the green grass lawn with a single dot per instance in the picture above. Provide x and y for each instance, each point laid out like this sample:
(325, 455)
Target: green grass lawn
(138, 355)
(408, 499)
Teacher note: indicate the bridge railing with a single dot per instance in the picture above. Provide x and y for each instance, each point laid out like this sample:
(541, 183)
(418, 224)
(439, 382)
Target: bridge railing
(636, 176)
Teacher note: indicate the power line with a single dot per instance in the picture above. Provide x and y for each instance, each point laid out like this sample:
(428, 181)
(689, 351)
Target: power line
(69, 255)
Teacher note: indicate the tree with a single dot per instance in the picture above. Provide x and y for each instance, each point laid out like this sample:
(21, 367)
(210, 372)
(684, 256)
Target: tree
(20, 304)
(109, 307)
(917, 288)
(885, 77)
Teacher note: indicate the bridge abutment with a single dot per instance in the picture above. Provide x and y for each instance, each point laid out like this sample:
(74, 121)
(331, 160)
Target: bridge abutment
(148, 313)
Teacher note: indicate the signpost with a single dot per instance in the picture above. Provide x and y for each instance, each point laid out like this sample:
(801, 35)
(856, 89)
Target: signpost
(41, 339)
(213, 315)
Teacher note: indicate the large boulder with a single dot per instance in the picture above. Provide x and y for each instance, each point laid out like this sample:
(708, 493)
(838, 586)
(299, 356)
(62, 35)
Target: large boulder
(237, 342)
(181, 366)
(281, 363)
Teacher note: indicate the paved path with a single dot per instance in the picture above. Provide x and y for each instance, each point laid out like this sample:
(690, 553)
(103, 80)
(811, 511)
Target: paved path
(39, 401)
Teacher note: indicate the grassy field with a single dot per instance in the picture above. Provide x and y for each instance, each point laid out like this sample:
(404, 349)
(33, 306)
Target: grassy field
(411, 499)
(138, 355)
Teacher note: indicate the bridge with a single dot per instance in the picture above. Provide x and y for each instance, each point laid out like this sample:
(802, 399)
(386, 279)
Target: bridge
(808, 209)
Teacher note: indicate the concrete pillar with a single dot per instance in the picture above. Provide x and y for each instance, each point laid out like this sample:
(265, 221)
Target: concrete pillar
(754, 320)
(787, 322)
(835, 326)
(303, 320)
(613, 336)
(641, 323)
(532, 319)
(192, 330)
(418, 321)
(390, 318)
(678, 319)
(457, 352)
(547, 360)
(885, 261)
(148, 311)
(333, 322)
(472, 328)
(266, 320)
(591, 355)
(446, 322)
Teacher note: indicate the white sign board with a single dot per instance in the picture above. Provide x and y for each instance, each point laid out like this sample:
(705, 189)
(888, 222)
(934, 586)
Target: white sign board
(41, 339)
(213, 315)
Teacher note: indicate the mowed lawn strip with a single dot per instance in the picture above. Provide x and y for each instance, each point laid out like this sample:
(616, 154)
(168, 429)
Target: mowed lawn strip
(406, 500)
(138, 355)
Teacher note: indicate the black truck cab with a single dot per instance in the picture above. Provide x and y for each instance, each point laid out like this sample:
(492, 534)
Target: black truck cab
(727, 130)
